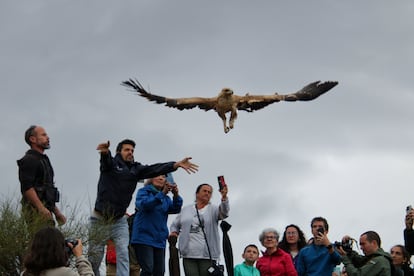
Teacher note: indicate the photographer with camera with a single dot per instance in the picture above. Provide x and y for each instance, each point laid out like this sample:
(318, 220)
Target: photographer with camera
(375, 262)
(49, 255)
(319, 258)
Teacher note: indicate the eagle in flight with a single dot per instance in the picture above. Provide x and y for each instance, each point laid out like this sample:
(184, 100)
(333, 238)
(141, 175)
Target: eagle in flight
(226, 101)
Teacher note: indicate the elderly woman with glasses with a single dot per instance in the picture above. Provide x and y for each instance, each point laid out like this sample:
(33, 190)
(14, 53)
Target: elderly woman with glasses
(275, 261)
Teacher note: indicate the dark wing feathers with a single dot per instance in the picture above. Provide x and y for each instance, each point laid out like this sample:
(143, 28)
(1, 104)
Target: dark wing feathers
(310, 92)
(179, 103)
(136, 85)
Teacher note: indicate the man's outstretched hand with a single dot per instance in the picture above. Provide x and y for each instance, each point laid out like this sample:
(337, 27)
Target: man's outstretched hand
(188, 166)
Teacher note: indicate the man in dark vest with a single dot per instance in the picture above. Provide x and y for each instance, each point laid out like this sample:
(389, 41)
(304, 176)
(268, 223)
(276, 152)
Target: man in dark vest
(36, 181)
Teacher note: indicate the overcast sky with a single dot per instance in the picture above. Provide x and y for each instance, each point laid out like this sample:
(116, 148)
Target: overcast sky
(347, 156)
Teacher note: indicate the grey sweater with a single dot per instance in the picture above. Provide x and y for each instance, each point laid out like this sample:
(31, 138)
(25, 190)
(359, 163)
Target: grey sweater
(211, 217)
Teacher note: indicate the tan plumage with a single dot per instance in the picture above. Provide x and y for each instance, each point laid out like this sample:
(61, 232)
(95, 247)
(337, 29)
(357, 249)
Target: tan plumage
(227, 101)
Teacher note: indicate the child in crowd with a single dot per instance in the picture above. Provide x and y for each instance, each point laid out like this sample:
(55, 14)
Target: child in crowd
(250, 256)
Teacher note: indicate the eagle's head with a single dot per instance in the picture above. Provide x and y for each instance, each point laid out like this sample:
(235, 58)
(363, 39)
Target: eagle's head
(226, 92)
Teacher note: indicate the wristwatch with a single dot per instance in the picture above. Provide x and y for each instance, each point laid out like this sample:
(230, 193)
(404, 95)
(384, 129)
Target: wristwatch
(329, 247)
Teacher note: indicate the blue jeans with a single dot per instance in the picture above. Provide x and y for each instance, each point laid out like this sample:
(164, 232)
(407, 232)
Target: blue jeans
(99, 233)
(151, 259)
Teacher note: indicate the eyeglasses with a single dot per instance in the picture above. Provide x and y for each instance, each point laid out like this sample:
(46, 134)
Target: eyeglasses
(291, 233)
(269, 237)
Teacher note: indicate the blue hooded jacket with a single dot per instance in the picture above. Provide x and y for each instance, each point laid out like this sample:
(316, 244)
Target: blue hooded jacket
(152, 210)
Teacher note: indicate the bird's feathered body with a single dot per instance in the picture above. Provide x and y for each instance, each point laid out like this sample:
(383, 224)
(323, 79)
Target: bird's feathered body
(227, 101)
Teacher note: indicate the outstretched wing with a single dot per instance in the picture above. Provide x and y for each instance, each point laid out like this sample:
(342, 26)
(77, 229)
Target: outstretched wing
(310, 92)
(251, 103)
(179, 103)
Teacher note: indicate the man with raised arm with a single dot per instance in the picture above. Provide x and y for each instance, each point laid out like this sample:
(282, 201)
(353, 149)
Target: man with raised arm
(117, 182)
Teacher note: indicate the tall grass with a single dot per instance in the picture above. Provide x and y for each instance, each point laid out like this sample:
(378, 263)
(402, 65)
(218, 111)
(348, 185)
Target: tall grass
(16, 234)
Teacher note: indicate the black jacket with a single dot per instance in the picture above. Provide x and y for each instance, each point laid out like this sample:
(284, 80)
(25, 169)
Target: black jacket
(118, 180)
(409, 240)
(35, 171)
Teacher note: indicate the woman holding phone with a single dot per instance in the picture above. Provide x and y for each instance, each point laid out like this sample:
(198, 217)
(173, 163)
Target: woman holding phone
(197, 229)
(149, 230)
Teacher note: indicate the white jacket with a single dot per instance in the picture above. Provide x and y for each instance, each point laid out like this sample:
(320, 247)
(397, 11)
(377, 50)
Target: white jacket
(211, 217)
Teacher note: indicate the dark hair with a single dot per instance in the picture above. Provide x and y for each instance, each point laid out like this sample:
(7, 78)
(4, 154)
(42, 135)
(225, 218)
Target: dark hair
(125, 142)
(29, 132)
(251, 245)
(47, 251)
(301, 241)
(325, 222)
(405, 253)
(372, 236)
(201, 185)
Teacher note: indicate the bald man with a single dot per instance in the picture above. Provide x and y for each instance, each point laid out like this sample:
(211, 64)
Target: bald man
(37, 180)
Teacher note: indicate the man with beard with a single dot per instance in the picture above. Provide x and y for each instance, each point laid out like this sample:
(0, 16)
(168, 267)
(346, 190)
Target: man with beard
(36, 181)
(117, 182)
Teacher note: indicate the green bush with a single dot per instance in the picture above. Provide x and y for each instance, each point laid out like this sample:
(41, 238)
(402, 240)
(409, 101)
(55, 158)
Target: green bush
(14, 239)
(15, 234)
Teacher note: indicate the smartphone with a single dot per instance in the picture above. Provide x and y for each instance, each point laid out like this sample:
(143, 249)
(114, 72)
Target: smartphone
(408, 209)
(321, 230)
(170, 179)
(221, 182)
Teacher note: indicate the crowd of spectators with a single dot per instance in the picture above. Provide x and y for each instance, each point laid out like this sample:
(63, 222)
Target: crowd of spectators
(143, 240)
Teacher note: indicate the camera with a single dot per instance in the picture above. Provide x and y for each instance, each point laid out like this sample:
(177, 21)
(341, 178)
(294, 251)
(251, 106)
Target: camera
(216, 270)
(346, 245)
(408, 209)
(73, 242)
